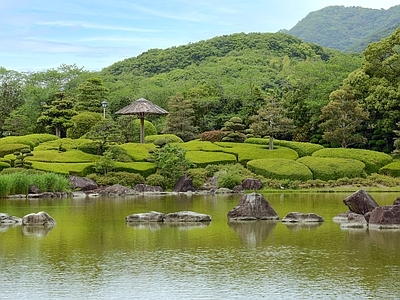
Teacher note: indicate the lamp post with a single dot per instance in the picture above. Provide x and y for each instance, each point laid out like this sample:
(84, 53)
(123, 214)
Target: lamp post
(104, 105)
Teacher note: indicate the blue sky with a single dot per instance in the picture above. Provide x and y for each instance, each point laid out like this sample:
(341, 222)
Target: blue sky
(38, 35)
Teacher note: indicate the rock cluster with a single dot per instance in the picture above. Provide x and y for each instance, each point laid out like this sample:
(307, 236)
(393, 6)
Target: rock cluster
(38, 224)
(175, 217)
(365, 212)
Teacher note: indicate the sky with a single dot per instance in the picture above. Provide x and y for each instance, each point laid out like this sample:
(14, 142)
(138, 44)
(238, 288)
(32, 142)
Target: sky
(38, 35)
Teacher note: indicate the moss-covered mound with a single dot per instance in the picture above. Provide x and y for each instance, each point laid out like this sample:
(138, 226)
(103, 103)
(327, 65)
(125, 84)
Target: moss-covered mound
(332, 168)
(77, 169)
(143, 168)
(203, 158)
(197, 145)
(6, 149)
(280, 168)
(373, 160)
(54, 156)
(170, 138)
(246, 152)
(31, 140)
(391, 169)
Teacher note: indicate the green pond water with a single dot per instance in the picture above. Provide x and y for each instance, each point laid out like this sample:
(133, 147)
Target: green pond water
(93, 254)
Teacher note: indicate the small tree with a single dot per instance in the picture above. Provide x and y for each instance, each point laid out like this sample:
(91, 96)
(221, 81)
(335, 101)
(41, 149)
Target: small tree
(235, 130)
(106, 131)
(20, 156)
(90, 95)
(105, 164)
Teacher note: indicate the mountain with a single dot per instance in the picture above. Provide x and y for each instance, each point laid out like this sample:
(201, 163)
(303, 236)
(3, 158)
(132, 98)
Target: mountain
(349, 29)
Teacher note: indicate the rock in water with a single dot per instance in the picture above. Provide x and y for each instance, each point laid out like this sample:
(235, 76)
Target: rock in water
(41, 218)
(187, 216)
(360, 202)
(152, 216)
(253, 207)
(296, 217)
(384, 217)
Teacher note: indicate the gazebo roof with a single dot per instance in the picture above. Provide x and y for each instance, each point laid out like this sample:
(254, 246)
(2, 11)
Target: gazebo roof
(142, 107)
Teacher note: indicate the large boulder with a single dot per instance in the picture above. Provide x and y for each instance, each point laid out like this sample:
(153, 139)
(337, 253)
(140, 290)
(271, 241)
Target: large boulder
(183, 185)
(253, 207)
(82, 183)
(152, 216)
(6, 219)
(360, 202)
(41, 218)
(296, 217)
(186, 216)
(384, 217)
(251, 184)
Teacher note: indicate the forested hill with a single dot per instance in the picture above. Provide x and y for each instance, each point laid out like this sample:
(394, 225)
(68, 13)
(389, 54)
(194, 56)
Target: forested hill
(349, 29)
(270, 45)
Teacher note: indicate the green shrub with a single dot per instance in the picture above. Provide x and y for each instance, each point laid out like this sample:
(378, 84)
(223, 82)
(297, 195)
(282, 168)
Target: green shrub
(156, 180)
(328, 168)
(31, 140)
(279, 168)
(67, 144)
(143, 168)
(10, 148)
(54, 156)
(230, 176)
(77, 169)
(202, 158)
(138, 152)
(391, 169)
(373, 160)
(119, 154)
(213, 136)
(90, 148)
(246, 152)
(4, 165)
(198, 176)
(171, 138)
(122, 178)
(212, 169)
(196, 145)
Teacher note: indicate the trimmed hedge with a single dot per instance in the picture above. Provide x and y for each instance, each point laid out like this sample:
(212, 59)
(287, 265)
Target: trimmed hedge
(203, 158)
(196, 145)
(77, 169)
(280, 168)
(332, 168)
(11, 148)
(246, 152)
(143, 168)
(138, 152)
(4, 165)
(391, 169)
(170, 138)
(373, 160)
(302, 149)
(71, 156)
(66, 144)
(31, 140)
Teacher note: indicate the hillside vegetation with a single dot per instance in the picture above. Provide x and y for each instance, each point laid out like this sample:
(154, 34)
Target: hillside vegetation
(349, 29)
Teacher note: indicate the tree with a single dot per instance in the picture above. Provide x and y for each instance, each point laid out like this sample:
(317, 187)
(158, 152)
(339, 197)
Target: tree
(271, 121)
(342, 118)
(180, 119)
(10, 93)
(17, 124)
(235, 130)
(90, 95)
(57, 116)
(106, 131)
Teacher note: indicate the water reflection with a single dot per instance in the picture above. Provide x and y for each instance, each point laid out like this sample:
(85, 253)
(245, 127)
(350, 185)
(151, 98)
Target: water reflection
(253, 233)
(5, 227)
(303, 225)
(153, 226)
(36, 231)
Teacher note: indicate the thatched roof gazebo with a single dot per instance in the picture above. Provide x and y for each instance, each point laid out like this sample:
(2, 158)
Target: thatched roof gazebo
(142, 107)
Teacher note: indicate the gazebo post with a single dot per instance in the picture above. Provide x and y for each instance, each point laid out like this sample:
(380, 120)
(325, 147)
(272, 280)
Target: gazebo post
(142, 130)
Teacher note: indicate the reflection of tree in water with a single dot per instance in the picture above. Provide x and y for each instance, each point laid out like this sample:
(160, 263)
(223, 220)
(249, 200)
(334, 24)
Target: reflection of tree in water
(37, 231)
(253, 233)
(303, 225)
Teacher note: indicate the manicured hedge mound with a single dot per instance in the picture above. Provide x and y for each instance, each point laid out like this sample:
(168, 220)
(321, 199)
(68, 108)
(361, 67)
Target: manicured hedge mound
(391, 169)
(279, 168)
(138, 152)
(11, 148)
(196, 145)
(54, 156)
(77, 169)
(373, 160)
(31, 140)
(332, 168)
(4, 165)
(143, 168)
(246, 152)
(302, 149)
(204, 158)
(170, 138)
(62, 144)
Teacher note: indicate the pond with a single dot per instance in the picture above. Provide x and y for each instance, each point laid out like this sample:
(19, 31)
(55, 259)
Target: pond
(92, 253)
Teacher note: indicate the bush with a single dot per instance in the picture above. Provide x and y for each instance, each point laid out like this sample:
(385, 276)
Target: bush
(230, 176)
(54, 156)
(198, 176)
(77, 169)
(156, 180)
(10, 148)
(119, 154)
(202, 158)
(392, 169)
(279, 168)
(325, 168)
(66, 144)
(197, 145)
(171, 138)
(90, 148)
(213, 136)
(143, 168)
(130, 127)
(4, 165)
(123, 178)
(138, 152)
(373, 160)
(31, 140)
